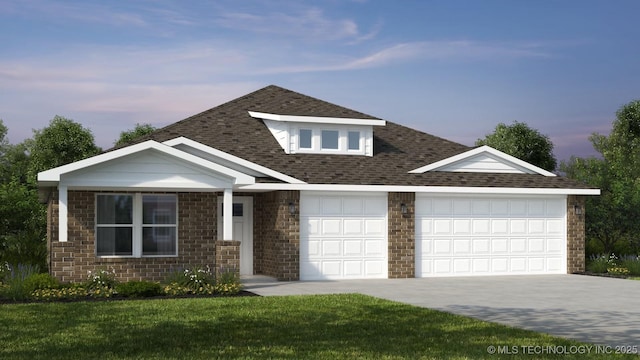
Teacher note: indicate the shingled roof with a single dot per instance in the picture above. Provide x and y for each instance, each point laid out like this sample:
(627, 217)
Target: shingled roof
(397, 149)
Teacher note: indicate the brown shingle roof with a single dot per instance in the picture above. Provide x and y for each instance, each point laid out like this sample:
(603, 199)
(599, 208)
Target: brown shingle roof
(397, 149)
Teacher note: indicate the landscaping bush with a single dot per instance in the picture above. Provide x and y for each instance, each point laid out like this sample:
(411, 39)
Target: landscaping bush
(631, 263)
(228, 282)
(39, 281)
(197, 281)
(14, 288)
(101, 279)
(138, 289)
(598, 263)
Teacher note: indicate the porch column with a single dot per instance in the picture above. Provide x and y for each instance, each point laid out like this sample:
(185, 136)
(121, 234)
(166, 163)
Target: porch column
(227, 215)
(62, 213)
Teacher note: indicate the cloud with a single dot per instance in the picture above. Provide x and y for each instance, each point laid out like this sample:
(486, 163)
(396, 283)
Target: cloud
(309, 23)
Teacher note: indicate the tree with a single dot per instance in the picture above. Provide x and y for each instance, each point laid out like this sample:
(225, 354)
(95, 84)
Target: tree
(522, 142)
(612, 217)
(130, 135)
(62, 142)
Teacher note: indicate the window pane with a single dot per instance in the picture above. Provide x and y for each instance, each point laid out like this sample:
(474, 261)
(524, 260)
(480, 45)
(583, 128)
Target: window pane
(158, 209)
(114, 209)
(305, 139)
(354, 140)
(114, 241)
(238, 209)
(330, 139)
(158, 241)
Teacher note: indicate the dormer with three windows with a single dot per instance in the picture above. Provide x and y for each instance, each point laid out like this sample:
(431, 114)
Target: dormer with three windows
(321, 135)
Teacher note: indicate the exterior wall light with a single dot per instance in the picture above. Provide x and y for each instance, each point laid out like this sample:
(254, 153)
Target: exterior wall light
(403, 208)
(577, 209)
(292, 208)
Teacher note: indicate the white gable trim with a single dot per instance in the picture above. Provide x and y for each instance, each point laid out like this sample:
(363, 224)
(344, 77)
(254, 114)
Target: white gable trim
(316, 119)
(499, 155)
(226, 156)
(52, 177)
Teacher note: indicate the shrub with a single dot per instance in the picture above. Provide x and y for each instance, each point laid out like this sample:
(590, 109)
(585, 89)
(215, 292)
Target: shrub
(618, 270)
(228, 282)
(101, 279)
(39, 282)
(14, 281)
(598, 264)
(137, 289)
(5, 269)
(632, 263)
(194, 279)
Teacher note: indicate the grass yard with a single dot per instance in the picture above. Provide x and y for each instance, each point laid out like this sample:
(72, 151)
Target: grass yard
(296, 327)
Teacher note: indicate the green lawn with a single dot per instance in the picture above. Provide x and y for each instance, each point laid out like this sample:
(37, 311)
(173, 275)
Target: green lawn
(307, 327)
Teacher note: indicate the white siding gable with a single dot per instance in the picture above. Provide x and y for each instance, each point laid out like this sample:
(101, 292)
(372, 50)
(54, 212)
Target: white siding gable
(485, 163)
(146, 170)
(483, 159)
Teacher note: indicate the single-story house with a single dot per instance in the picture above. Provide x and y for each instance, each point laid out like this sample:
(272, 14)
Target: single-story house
(286, 185)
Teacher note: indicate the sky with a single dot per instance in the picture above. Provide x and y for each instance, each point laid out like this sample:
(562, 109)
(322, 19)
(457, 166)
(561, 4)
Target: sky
(450, 68)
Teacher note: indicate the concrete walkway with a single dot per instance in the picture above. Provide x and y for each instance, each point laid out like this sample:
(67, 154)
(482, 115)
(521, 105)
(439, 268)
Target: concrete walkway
(592, 309)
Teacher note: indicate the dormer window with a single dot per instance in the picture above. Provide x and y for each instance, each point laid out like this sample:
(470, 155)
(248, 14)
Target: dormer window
(321, 135)
(353, 139)
(305, 139)
(329, 139)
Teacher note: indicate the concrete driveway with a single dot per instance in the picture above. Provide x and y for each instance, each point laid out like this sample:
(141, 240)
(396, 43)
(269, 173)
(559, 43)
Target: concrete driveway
(597, 310)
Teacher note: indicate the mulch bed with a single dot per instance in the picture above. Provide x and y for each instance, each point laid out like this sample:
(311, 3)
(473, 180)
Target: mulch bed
(120, 298)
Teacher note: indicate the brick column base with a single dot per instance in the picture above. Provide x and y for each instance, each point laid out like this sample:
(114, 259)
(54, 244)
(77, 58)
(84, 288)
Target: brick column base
(228, 256)
(401, 235)
(575, 235)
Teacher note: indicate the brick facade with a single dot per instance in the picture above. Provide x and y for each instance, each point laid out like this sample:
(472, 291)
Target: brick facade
(72, 260)
(277, 235)
(575, 235)
(401, 235)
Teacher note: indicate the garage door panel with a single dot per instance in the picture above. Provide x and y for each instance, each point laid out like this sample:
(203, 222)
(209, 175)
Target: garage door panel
(331, 247)
(462, 226)
(375, 268)
(481, 226)
(374, 247)
(353, 227)
(462, 246)
(518, 246)
(536, 226)
(462, 266)
(442, 247)
(352, 206)
(331, 206)
(375, 227)
(352, 247)
(481, 246)
(518, 226)
(375, 206)
(481, 235)
(352, 268)
(331, 227)
(343, 236)
(442, 226)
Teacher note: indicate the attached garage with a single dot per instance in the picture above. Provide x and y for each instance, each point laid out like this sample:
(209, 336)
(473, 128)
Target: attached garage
(343, 235)
(490, 235)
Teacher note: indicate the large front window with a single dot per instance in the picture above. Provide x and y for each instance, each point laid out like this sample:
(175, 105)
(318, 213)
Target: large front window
(136, 225)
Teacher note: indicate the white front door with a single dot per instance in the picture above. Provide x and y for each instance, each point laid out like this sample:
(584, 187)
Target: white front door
(242, 229)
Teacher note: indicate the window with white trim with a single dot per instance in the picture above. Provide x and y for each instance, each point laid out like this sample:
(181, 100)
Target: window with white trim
(136, 225)
(333, 139)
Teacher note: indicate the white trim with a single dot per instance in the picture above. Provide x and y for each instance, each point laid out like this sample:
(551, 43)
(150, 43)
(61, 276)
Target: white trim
(226, 156)
(52, 176)
(227, 215)
(419, 189)
(63, 200)
(316, 119)
(479, 150)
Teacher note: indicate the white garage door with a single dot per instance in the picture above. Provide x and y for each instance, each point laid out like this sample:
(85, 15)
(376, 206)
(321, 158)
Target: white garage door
(343, 236)
(458, 236)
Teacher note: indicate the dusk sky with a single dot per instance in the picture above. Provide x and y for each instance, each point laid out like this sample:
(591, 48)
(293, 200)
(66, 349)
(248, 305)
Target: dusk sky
(454, 69)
